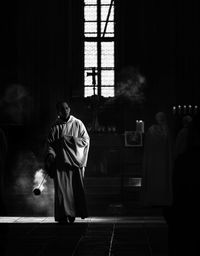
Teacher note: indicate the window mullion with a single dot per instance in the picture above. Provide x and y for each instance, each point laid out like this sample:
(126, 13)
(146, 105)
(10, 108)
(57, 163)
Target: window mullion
(99, 46)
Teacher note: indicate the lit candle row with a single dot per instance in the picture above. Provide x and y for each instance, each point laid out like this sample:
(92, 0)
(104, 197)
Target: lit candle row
(185, 109)
(109, 129)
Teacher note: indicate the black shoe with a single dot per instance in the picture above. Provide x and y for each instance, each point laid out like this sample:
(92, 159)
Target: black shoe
(71, 219)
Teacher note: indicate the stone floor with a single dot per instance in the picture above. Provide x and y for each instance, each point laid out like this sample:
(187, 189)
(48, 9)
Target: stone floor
(110, 236)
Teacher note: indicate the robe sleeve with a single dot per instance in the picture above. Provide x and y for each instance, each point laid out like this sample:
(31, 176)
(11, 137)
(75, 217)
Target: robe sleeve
(50, 147)
(77, 147)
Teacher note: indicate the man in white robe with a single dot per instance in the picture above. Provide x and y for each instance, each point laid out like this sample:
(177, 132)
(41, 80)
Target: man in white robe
(67, 153)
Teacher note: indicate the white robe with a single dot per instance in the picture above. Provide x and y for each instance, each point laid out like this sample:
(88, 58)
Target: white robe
(69, 143)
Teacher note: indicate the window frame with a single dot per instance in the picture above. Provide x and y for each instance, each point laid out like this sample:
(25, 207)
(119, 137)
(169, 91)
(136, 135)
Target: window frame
(99, 39)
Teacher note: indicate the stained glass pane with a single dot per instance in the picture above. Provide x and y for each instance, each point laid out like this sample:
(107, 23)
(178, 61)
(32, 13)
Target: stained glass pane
(90, 1)
(90, 52)
(89, 91)
(107, 61)
(107, 51)
(107, 91)
(107, 77)
(90, 13)
(106, 1)
(90, 27)
(105, 11)
(109, 28)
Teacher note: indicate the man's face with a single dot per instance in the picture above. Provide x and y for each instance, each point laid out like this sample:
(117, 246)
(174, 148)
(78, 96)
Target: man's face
(64, 111)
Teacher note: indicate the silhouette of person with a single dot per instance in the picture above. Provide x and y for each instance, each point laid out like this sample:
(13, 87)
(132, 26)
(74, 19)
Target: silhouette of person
(182, 137)
(185, 211)
(158, 163)
(66, 159)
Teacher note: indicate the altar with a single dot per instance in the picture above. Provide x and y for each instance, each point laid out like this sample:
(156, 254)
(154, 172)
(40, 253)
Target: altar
(114, 172)
(109, 156)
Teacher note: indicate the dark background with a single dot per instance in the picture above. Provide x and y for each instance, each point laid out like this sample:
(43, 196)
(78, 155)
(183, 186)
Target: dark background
(42, 50)
(42, 62)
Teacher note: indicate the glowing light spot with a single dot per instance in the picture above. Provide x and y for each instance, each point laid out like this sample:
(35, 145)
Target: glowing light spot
(40, 180)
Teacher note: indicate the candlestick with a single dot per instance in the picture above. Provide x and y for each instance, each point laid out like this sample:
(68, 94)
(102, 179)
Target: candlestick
(190, 109)
(179, 109)
(174, 110)
(195, 109)
(184, 109)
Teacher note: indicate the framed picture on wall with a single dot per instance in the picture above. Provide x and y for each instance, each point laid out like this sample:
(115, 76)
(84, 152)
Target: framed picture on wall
(133, 139)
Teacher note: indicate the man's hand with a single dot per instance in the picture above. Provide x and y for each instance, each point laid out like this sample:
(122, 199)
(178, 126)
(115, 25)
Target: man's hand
(50, 165)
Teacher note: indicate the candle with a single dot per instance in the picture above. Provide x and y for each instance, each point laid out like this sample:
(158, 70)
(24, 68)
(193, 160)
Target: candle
(174, 110)
(179, 109)
(195, 109)
(190, 109)
(140, 126)
(184, 109)
(114, 129)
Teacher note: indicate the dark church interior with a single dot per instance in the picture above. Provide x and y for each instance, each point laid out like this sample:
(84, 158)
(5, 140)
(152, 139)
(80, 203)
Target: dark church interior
(139, 102)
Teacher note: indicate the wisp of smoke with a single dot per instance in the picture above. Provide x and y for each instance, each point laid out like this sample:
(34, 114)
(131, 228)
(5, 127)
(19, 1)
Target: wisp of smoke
(130, 84)
(29, 175)
(15, 92)
(39, 180)
(15, 103)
